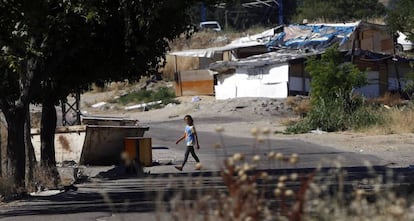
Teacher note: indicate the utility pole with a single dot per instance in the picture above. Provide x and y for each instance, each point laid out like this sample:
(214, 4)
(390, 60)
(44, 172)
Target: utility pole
(203, 11)
(281, 12)
(226, 20)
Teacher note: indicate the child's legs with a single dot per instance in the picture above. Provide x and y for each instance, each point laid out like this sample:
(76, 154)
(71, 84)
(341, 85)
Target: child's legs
(194, 154)
(187, 152)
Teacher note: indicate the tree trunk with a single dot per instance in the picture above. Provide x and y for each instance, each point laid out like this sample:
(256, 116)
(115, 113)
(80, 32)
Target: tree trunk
(3, 143)
(16, 158)
(30, 156)
(47, 137)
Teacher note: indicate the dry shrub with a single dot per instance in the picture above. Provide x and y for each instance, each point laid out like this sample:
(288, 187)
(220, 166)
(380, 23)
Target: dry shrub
(300, 105)
(398, 121)
(303, 107)
(113, 86)
(390, 99)
(116, 86)
(402, 121)
(289, 121)
(291, 101)
(45, 178)
(199, 40)
(183, 64)
(97, 89)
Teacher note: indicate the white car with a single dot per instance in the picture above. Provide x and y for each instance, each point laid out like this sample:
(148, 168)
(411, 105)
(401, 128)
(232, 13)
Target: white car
(403, 44)
(210, 25)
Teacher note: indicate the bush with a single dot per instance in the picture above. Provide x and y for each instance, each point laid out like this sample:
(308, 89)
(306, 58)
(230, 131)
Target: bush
(334, 108)
(330, 115)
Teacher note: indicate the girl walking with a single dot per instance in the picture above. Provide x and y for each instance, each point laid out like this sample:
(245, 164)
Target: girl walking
(190, 136)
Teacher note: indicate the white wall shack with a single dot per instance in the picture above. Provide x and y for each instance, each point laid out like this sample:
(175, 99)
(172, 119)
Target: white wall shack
(268, 81)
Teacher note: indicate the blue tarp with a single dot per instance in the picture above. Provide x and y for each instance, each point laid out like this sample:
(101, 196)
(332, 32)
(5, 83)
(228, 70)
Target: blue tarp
(311, 36)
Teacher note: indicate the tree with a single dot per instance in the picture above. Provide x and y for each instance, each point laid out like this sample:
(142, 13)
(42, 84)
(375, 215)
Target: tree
(51, 48)
(19, 61)
(401, 18)
(339, 10)
(134, 47)
(331, 77)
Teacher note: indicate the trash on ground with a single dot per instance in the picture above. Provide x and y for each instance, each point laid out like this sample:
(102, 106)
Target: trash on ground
(47, 193)
(142, 105)
(98, 105)
(195, 99)
(318, 131)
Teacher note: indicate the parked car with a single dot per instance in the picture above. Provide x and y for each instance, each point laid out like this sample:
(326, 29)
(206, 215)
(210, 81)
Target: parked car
(210, 25)
(403, 44)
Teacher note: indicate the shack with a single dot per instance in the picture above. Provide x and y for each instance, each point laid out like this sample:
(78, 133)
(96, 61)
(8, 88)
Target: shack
(281, 72)
(201, 81)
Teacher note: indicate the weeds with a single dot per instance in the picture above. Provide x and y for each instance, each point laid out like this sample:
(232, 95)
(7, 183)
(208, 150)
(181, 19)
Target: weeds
(398, 120)
(252, 194)
(7, 188)
(166, 95)
(333, 116)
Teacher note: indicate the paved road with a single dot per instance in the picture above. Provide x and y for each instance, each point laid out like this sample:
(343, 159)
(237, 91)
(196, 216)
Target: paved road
(311, 156)
(132, 198)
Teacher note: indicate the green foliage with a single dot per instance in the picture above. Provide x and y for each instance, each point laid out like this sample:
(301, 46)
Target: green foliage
(333, 107)
(401, 17)
(339, 10)
(331, 77)
(166, 95)
(409, 84)
(50, 48)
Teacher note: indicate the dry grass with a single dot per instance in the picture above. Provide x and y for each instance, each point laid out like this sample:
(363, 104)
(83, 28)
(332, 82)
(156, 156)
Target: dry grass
(44, 178)
(183, 63)
(113, 86)
(389, 99)
(300, 105)
(289, 121)
(398, 121)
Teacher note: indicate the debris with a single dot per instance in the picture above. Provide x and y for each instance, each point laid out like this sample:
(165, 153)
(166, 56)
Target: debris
(195, 99)
(144, 105)
(98, 105)
(47, 193)
(318, 131)
(220, 39)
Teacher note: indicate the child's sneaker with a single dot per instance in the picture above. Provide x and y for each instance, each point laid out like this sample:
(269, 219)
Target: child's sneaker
(180, 168)
(198, 166)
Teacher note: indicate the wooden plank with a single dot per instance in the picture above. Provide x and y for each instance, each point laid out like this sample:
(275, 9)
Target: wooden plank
(367, 44)
(366, 65)
(202, 87)
(387, 45)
